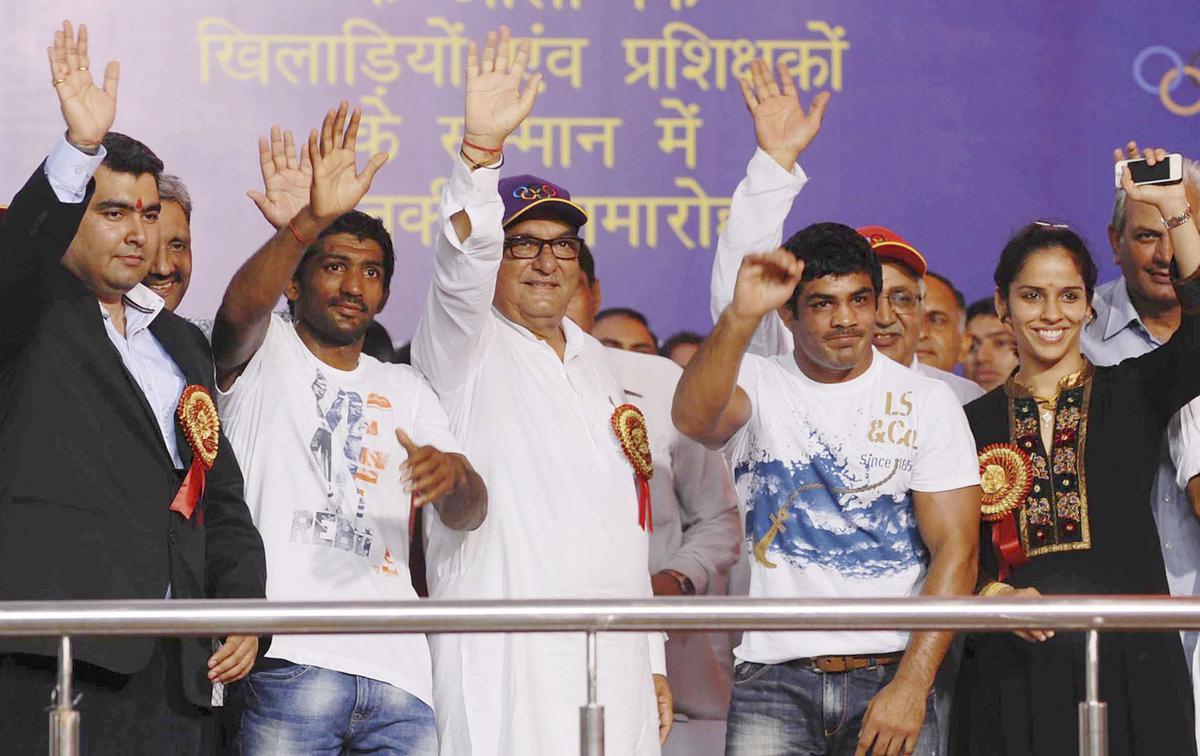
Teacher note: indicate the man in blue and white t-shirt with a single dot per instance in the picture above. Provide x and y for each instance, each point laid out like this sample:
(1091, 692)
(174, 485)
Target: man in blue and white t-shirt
(859, 479)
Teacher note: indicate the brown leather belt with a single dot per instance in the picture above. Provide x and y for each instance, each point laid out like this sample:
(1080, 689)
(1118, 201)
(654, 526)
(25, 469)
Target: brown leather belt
(833, 664)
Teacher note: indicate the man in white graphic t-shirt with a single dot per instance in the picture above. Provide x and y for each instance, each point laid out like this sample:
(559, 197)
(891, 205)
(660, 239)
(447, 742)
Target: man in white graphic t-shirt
(338, 450)
(859, 479)
(760, 205)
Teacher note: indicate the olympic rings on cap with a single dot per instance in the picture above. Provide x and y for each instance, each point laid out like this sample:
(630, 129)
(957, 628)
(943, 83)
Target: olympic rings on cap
(1171, 80)
(530, 192)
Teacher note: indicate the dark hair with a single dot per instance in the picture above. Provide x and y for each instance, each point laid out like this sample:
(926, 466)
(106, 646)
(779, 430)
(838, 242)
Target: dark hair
(404, 354)
(985, 306)
(959, 299)
(587, 263)
(629, 313)
(378, 343)
(1036, 237)
(683, 337)
(127, 155)
(364, 228)
(833, 249)
(626, 311)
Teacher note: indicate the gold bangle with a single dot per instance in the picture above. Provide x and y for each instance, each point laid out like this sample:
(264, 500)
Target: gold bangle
(993, 588)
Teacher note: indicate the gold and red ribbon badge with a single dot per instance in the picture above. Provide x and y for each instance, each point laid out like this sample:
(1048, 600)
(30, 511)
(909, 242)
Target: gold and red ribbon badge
(202, 428)
(629, 424)
(1006, 476)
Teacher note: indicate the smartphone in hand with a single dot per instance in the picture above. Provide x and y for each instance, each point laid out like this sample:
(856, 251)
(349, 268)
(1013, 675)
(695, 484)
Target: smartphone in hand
(1169, 170)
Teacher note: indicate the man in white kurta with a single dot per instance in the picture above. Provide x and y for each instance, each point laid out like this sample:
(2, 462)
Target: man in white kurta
(563, 505)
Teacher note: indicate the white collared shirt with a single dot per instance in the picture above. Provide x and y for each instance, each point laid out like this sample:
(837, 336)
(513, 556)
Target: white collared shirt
(152, 368)
(965, 390)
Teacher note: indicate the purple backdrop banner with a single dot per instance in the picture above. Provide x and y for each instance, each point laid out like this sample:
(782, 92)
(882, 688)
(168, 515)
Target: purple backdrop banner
(954, 123)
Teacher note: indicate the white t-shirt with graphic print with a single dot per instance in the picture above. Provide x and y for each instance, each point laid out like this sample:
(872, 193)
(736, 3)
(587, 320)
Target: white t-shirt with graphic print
(318, 450)
(826, 474)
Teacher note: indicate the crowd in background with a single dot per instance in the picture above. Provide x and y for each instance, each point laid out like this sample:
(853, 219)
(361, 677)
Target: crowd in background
(851, 427)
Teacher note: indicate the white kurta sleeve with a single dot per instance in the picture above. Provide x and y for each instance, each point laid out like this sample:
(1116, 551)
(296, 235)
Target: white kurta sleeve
(658, 654)
(760, 206)
(451, 332)
(1183, 436)
(709, 514)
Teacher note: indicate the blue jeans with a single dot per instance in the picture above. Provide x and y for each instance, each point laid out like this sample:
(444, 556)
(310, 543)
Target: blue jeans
(290, 709)
(790, 710)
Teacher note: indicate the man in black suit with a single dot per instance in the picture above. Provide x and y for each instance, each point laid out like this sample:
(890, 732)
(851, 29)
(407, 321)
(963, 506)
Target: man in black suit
(92, 455)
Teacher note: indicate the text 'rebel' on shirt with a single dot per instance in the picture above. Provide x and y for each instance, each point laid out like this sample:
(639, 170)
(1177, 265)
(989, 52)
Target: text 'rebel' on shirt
(322, 465)
(826, 472)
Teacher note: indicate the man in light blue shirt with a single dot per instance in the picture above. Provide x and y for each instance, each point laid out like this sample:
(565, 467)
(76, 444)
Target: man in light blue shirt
(1136, 314)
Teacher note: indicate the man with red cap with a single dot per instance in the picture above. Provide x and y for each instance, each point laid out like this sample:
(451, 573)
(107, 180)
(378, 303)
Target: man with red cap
(539, 409)
(759, 209)
(902, 308)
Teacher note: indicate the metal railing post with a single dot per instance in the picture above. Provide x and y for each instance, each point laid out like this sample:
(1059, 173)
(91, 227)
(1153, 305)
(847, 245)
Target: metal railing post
(1093, 713)
(591, 716)
(64, 720)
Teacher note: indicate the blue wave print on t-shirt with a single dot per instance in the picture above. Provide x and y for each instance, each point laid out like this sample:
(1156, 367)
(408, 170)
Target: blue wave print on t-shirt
(860, 535)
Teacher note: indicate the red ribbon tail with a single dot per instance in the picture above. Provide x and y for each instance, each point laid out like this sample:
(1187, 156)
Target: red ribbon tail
(190, 490)
(1007, 545)
(645, 512)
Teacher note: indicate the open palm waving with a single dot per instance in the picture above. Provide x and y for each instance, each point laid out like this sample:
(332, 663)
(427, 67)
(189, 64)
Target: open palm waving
(287, 178)
(88, 110)
(781, 126)
(337, 184)
(496, 104)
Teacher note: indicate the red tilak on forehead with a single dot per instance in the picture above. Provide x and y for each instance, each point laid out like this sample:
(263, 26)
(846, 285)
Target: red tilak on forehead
(139, 203)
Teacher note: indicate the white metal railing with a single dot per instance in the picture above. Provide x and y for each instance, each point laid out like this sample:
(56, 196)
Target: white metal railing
(1089, 614)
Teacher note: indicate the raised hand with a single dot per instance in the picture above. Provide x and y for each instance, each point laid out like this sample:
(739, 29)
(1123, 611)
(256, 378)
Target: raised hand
(496, 104)
(1170, 199)
(337, 184)
(765, 283)
(287, 178)
(88, 110)
(781, 126)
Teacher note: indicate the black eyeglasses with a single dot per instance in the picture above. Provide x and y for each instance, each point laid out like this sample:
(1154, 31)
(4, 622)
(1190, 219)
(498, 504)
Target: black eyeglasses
(529, 247)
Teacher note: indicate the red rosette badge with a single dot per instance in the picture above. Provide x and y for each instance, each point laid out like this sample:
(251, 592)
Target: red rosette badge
(629, 424)
(202, 428)
(1006, 477)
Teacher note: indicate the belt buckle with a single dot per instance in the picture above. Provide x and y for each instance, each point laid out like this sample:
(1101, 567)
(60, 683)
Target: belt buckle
(827, 664)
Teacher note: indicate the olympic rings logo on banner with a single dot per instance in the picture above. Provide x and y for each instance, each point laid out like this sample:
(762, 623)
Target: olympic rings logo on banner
(1171, 80)
(534, 192)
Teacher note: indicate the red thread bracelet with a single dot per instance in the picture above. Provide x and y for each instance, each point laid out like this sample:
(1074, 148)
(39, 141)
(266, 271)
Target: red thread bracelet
(295, 233)
(481, 148)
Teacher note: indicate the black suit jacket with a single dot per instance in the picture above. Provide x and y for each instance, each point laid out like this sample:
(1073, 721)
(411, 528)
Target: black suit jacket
(85, 478)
